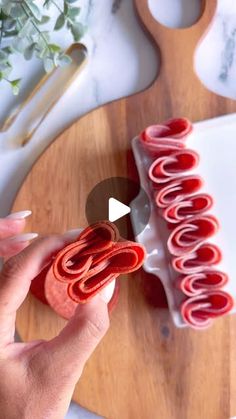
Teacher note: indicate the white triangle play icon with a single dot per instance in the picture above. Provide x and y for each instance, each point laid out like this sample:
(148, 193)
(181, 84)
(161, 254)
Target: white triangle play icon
(116, 209)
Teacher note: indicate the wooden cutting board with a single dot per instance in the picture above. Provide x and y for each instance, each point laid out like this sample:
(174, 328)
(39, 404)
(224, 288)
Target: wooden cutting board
(145, 368)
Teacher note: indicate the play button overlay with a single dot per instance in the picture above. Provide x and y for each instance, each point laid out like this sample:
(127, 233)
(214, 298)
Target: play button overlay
(121, 201)
(116, 209)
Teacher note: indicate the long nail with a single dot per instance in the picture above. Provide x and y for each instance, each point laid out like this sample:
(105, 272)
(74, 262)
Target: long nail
(72, 234)
(20, 238)
(19, 215)
(74, 231)
(107, 292)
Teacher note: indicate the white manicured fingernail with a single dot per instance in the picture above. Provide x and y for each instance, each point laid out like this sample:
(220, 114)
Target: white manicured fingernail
(72, 234)
(107, 292)
(19, 215)
(74, 231)
(104, 297)
(20, 238)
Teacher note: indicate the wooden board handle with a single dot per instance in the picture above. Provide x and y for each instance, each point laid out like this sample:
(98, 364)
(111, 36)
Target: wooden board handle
(167, 38)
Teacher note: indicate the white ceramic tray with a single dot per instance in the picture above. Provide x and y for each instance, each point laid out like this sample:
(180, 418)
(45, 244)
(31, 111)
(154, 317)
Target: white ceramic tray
(215, 142)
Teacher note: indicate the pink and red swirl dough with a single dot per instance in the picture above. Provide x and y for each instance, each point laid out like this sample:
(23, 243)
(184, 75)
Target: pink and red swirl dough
(82, 269)
(178, 197)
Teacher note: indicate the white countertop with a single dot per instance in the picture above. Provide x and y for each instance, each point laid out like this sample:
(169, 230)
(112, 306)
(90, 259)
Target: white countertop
(116, 42)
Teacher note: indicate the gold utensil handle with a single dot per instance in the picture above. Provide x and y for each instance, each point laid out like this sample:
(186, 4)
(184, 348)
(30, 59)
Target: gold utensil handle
(78, 54)
(47, 92)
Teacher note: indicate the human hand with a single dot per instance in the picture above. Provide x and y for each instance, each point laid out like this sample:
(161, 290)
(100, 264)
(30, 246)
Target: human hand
(37, 379)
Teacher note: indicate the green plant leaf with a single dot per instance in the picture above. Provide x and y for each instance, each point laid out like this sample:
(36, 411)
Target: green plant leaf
(6, 9)
(45, 19)
(8, 34)
(47, 4)
(64, 60)
(73, 12)
(7, 50)
(77, 30)
(35, 10)
(65, 8)
(3, 56)
(48, 64)
(15, 84)
(29, 51)
(17, 11)
(20, 27)
(60, 22)
(54, 48)
(5, 68)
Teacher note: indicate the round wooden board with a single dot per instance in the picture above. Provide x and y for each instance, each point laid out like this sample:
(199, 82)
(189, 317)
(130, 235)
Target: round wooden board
(144, 368)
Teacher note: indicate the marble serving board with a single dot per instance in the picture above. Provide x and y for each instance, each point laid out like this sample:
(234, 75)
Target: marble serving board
(214, 141)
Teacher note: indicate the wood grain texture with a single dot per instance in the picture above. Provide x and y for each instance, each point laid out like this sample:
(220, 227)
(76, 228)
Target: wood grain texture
(144, 368)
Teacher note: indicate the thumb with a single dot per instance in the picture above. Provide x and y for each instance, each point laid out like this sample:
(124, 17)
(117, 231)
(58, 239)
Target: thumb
(73, 346)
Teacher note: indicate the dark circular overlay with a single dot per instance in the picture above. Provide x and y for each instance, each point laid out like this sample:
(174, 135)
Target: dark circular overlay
(126, 191)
